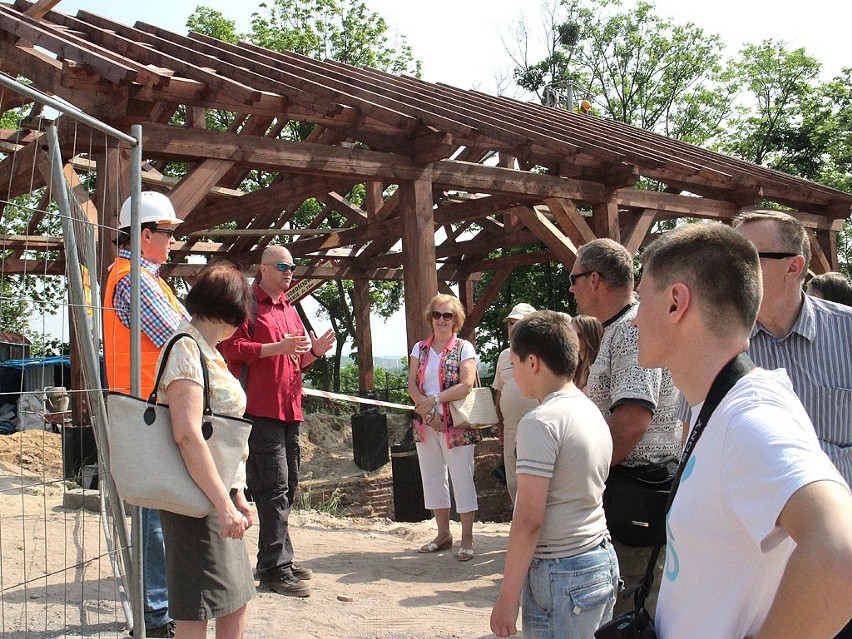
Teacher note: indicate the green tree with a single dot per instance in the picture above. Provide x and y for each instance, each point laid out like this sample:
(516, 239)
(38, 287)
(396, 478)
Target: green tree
(342, 30)
(635, 66)
(778, 119)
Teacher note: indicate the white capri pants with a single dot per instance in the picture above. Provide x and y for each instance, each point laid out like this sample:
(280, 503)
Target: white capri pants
(435, 459)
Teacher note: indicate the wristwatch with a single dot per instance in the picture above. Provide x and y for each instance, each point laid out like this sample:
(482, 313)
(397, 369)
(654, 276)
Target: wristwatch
(436, 399)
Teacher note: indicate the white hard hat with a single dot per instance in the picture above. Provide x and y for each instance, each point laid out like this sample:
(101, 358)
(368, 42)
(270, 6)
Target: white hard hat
(153, 207)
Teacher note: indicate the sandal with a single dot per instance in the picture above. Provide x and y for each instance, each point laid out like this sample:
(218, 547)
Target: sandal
(465, 554)
(436, 546)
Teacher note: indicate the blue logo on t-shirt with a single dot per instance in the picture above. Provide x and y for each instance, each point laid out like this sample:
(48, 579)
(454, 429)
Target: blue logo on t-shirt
(672, 560)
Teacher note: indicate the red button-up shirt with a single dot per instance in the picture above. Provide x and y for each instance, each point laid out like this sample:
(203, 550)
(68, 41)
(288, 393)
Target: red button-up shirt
(274, 385)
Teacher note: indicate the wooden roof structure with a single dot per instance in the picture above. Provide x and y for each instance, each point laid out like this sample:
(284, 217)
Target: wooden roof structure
(474, 174)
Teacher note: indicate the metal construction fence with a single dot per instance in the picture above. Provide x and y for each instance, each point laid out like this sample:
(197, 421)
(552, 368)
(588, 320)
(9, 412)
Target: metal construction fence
(65, 552)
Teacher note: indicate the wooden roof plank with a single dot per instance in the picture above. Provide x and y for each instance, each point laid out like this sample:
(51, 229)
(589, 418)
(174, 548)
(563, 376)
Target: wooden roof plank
(66, 45)
(131, 43)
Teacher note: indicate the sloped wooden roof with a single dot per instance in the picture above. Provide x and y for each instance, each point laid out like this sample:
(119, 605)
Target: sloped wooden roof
(502, 172)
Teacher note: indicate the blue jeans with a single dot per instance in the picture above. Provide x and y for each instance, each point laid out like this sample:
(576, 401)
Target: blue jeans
(154, 570)
(570, 597)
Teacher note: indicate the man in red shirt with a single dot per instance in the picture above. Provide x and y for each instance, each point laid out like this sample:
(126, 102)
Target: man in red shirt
(268, 354)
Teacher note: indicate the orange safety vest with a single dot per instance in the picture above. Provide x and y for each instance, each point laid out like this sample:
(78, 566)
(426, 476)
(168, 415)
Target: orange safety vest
(117, 336)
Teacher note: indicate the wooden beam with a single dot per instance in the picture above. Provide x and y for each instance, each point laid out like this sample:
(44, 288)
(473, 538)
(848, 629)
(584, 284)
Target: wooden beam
(563, 248)
(605, 220)
(484, 301)
(172, 143)
(682, 204)
(823, 251)
(196, 185)
(363, 334)
(638, 231)
(40, 8)
(418, 245)
(570, 220)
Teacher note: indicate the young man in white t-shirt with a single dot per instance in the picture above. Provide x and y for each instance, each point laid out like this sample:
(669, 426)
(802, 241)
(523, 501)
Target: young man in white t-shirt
(760, 531)
(560, 561)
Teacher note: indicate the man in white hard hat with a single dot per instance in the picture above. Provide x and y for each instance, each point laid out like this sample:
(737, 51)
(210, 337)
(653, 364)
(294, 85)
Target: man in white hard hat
(511, 405)
(161, 312)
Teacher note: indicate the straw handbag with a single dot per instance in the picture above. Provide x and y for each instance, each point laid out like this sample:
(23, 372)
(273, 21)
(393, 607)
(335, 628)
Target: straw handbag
(145, 461)
(476, 409)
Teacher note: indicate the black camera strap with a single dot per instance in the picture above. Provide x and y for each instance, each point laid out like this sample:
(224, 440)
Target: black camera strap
(727, 378)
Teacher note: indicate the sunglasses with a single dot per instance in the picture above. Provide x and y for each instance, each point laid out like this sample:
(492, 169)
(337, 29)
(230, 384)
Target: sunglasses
(576, 276)
(169, 232)
(445, 316)
(283, 266)
(775, 256)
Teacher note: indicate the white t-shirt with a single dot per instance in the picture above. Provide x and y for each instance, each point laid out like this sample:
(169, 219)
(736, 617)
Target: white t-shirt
(431, 379)
(567, 439)
(513, 405)
(725, 555)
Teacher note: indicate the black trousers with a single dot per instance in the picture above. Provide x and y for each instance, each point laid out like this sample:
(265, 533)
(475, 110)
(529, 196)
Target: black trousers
(272, 475)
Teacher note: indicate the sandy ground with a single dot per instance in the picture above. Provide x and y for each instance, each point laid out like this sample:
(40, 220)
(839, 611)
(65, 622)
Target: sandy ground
(369, 581)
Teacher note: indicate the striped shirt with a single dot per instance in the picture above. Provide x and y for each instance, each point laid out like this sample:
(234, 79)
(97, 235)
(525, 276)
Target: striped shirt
(817, 354)
(159, 320)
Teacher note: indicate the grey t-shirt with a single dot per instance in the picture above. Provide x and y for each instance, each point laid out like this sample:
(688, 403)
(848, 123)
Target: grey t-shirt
(567, 440)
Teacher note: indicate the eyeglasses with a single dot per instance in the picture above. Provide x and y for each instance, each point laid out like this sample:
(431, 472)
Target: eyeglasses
(775, 256)
(446, 316)
(573, 277)
(283, 266)
(169, 232)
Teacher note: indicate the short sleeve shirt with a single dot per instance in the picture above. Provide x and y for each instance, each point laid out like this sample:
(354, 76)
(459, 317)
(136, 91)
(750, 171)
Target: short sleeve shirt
(616, 378)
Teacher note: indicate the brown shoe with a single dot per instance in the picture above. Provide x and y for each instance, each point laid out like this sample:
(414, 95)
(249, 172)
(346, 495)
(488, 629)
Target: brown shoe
(302, 573)
(286, 584)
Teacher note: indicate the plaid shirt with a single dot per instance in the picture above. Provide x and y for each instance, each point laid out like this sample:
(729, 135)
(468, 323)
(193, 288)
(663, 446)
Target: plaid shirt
(159, 320)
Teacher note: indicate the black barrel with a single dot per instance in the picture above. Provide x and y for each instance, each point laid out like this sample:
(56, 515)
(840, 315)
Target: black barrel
(370, 440)
(407, 485)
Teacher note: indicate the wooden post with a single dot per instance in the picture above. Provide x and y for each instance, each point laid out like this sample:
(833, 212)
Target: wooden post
(605, 220)
(363, 334)
(467, 302)
(418, 250)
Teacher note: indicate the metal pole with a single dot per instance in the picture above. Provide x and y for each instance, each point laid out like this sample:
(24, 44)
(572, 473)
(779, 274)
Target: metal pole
(138, 592)
(88, 353)
(68, 109)
(569, 94)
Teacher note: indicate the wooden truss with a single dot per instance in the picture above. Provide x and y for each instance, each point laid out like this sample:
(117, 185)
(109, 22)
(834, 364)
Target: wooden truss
(452, 177)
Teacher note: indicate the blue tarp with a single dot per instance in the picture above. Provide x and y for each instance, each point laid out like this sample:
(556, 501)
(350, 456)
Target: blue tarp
(21, 364)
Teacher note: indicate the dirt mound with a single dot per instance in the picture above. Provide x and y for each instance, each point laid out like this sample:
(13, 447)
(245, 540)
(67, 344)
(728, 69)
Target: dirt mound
(36, 451)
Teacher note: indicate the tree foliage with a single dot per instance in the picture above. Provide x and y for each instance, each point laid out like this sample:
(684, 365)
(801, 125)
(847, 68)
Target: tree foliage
(633, 65)
(345, 31)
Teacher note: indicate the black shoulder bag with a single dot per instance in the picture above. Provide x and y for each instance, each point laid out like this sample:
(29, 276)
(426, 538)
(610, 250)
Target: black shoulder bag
(638, 624)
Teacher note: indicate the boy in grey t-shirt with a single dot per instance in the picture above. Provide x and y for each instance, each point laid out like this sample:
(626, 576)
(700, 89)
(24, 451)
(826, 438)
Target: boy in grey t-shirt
(560, 560)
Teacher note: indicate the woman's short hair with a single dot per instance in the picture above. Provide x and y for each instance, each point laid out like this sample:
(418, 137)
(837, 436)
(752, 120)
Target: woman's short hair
(221, 293)
(439, 300)
(547, 335)
(833, 286)
(720, 267)
(610, 260)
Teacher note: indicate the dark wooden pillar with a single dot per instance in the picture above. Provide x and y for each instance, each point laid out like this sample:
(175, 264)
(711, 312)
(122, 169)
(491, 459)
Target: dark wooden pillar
(418, 251)
(605, 220)
(112, 189)
(467, 302)
(363, 334)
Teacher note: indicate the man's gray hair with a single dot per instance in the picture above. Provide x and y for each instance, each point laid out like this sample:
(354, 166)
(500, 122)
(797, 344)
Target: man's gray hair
(610, 260)
(790, 233)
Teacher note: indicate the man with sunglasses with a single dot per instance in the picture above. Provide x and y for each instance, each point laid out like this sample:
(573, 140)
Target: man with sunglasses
(810, 338)
(268, 354)
(639, 404)
(161, 312)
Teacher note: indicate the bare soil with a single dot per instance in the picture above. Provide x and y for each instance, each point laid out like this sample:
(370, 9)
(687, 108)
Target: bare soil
(369, 580)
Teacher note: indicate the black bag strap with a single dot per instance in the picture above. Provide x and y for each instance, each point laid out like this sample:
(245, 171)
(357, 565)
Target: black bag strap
(167, 350)
(727, 378)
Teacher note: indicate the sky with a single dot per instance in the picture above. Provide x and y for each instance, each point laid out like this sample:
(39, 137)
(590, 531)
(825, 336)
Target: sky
(461, 43)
